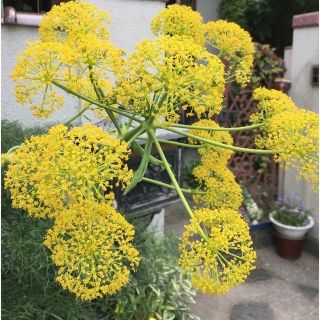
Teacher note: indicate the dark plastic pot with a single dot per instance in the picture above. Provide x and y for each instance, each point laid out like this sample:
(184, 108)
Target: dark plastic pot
(288, 248)
(260, 226)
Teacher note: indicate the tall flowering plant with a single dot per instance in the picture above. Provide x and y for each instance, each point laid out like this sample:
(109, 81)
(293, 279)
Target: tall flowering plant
(68, 175)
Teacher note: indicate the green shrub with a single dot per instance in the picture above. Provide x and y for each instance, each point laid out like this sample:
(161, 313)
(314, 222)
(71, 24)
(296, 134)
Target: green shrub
(268, 21)
(156, 289)
(28, 287)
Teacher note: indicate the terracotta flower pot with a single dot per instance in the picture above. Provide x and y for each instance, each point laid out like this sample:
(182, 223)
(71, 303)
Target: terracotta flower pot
(290, 239)
(290, 249)
(282, 84)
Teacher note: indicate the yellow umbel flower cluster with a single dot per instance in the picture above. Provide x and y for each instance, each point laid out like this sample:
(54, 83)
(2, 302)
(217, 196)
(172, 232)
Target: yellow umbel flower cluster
(270, 102)
(177, 20)
(74, 50)
(38, 66)
(49, 172)
(74, 19)
(225, 258)
(214, 153)
(235, 46)
(68, 176)
(291, 133)
(169, 73)
(215, 179)
(219, 184)
(91, 244)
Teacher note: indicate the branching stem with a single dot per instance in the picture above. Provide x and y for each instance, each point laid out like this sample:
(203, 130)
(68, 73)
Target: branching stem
(254, 126)
(173, 179)
(219, 144)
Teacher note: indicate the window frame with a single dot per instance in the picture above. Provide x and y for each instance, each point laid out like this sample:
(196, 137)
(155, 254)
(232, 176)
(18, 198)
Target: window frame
(10, 16)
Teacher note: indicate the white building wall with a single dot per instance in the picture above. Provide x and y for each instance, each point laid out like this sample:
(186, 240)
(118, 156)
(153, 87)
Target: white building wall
(130, 23)
(14, 40)
(304, 55)
(208, 9)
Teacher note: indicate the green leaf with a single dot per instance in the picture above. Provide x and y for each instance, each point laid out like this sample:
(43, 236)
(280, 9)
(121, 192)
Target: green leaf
(167, 315)
(138, 175)
(155, 290)
(187, 298)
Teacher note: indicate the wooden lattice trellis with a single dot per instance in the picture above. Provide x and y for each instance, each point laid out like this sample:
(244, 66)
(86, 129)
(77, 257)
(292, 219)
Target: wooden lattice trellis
(259, 174)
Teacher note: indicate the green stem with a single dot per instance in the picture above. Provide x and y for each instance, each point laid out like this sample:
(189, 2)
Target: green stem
(131, 136)
(136, 146)
(254, 126)
(169, 186)
(135, 135)
(100, 95)
(173, 179)
(80, 96)
(233, 255)
(76, 116)
(130, 133)
(13, 149)
(219, 144)
(176, 143)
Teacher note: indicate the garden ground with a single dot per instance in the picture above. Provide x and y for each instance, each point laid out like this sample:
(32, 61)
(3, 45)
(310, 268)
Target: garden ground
(278, 289)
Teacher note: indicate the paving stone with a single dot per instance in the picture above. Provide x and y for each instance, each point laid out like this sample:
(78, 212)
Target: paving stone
(259, 274)
(308, 291)
(251, 311)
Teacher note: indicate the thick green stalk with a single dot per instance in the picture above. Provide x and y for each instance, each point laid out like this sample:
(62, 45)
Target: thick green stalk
(100, 95)
(254, 126)
(169, 186)
(135, 136)
(130, 133)
(219, 144)
(176, 143)
(173, 179)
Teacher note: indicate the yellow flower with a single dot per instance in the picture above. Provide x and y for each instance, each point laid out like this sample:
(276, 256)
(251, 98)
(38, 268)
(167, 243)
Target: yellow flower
(293, 136)
(74, 19)
(49, 172)
(73, 50)
(225, 258)
(89, 68)
(218, 184)
(215, 154)
(169, 73)
(291, 133)
(270, 102)
(91, 245)
(38, 66)
(177, 20)
(235, 46)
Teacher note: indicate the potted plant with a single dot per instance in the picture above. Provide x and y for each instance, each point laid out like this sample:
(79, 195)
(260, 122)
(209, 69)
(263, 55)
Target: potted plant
(291, 224)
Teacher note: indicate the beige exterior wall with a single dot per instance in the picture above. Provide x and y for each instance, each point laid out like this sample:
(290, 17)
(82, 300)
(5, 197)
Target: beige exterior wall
(304, 54)
(130, 23)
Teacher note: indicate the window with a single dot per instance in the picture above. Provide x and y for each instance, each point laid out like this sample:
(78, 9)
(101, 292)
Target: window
(26, 12)
(315, 76)
(32, 6)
